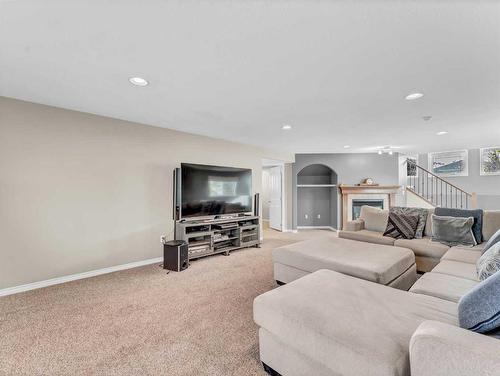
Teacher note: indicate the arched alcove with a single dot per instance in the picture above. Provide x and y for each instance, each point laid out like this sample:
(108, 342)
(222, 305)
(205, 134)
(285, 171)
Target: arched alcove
(317, 196)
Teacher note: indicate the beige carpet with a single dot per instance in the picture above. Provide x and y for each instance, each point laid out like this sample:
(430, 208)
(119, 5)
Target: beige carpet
(144, 321)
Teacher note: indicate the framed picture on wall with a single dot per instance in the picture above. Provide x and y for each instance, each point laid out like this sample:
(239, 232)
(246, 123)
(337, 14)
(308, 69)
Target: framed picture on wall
(489, 160)
(449, 163)
(411, 166)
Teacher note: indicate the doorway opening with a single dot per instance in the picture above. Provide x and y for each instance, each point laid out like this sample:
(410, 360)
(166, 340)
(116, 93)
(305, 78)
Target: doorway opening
(273, 186)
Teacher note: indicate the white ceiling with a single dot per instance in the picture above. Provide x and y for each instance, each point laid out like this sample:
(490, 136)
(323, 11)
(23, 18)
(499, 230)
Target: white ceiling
(337, 71)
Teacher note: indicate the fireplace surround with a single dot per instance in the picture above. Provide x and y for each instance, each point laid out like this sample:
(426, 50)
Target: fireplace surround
(383, 195)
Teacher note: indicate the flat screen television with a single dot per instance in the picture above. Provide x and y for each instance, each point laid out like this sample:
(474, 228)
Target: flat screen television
(214, 190)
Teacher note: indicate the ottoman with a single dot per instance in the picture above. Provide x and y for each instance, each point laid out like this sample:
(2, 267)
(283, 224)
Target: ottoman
(383, 264)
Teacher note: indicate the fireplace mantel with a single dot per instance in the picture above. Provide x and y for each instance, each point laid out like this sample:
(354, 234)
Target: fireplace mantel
(387, 193)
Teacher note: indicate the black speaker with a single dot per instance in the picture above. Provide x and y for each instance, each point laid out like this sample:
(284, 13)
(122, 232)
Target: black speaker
(256, 205)
(175, 255)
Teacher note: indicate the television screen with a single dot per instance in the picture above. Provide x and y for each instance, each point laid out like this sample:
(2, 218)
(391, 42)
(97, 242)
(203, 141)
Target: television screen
(213, 190)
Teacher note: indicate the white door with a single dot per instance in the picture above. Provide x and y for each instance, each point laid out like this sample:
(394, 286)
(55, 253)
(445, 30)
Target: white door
(275, 198)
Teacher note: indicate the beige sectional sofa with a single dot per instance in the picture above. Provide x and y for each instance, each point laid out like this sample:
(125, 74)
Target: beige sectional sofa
(371, 225)
(330, 324)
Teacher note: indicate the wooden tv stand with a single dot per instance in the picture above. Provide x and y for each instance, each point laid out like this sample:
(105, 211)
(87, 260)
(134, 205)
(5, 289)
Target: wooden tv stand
(210, 237)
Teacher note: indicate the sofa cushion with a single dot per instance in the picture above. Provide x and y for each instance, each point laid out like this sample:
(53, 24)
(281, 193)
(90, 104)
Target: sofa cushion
(352, 326)
(453, 230)
(373, 262)
(467, 255)
(367, 236)
(479, 309)
(491, 223)
(375, 219)
(443, 286)
(458, 269)
(489, 262)
(477, 214)
(494, 239)
(401, 226)
(422, 217)
(423, 247)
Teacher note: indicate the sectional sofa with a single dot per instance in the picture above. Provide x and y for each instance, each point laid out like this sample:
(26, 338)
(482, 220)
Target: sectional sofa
(371, 225)
(330, 324)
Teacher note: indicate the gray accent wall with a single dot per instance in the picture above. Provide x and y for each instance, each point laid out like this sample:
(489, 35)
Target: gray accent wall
(486, 187)
(350, 169)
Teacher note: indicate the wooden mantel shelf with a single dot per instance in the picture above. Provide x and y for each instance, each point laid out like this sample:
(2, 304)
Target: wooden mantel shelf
(346, 189)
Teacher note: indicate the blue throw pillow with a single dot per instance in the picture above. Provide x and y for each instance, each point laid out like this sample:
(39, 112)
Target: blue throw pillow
(493, 240)
(477, 228)
(479, 309)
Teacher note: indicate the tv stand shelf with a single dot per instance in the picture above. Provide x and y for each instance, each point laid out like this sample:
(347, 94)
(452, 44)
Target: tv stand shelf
(214, 236)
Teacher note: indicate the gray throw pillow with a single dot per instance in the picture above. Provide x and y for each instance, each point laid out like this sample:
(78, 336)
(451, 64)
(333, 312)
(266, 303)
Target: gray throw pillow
(493, 240)
(479, 309)
(422, 217)
(477, 228)
(489, 263)
(453, 231)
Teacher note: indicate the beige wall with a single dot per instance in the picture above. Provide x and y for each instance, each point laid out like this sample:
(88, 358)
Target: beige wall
(80, 192)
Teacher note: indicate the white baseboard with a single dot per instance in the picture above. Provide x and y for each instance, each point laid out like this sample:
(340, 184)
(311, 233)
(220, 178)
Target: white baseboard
(316, 228)
(74, 277)
(290, 230)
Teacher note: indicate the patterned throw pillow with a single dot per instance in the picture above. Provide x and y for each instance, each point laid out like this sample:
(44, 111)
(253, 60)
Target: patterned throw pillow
(422, 217)
(401, 226)
(489, 263)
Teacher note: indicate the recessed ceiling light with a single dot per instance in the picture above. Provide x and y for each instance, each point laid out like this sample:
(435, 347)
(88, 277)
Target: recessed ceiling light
(380, 152)
(442, 133)
(413, 96)
(286, 127)
(347, 146)
(138, 81)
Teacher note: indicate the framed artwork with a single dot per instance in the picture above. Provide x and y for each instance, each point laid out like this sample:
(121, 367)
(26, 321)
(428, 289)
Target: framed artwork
(411, 166)
(489, 160)
(449, 163)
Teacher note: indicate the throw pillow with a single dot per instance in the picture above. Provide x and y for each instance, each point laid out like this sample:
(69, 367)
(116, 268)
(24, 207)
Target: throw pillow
(493, 240)
(453, 231)
(489, 263)
(375, 218)
(479, 309)
(401, 226)
(422, 217)
(477, 214)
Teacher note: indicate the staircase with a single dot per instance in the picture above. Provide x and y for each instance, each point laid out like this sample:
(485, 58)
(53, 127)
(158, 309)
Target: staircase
(435, 191)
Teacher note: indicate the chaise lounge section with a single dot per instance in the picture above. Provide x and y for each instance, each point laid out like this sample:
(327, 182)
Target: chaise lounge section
(329, 323)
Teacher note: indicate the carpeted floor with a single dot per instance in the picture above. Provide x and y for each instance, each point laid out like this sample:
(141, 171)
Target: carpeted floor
(144, 321)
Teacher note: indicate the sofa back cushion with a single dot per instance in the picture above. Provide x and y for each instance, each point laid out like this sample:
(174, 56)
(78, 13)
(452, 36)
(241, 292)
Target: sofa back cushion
(428, 223)
(491, 223)
(453, 231)
(375, 218)
(479, 309)
(477, 214)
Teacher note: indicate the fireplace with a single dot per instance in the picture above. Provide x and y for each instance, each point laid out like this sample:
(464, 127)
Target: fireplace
(381, 196)
(357, 204)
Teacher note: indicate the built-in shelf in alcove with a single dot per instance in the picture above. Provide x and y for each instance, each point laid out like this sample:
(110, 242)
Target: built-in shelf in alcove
(316, 196)
(315, 185)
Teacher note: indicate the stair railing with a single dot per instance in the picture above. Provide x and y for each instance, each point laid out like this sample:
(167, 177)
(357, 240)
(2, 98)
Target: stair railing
(436, 190)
